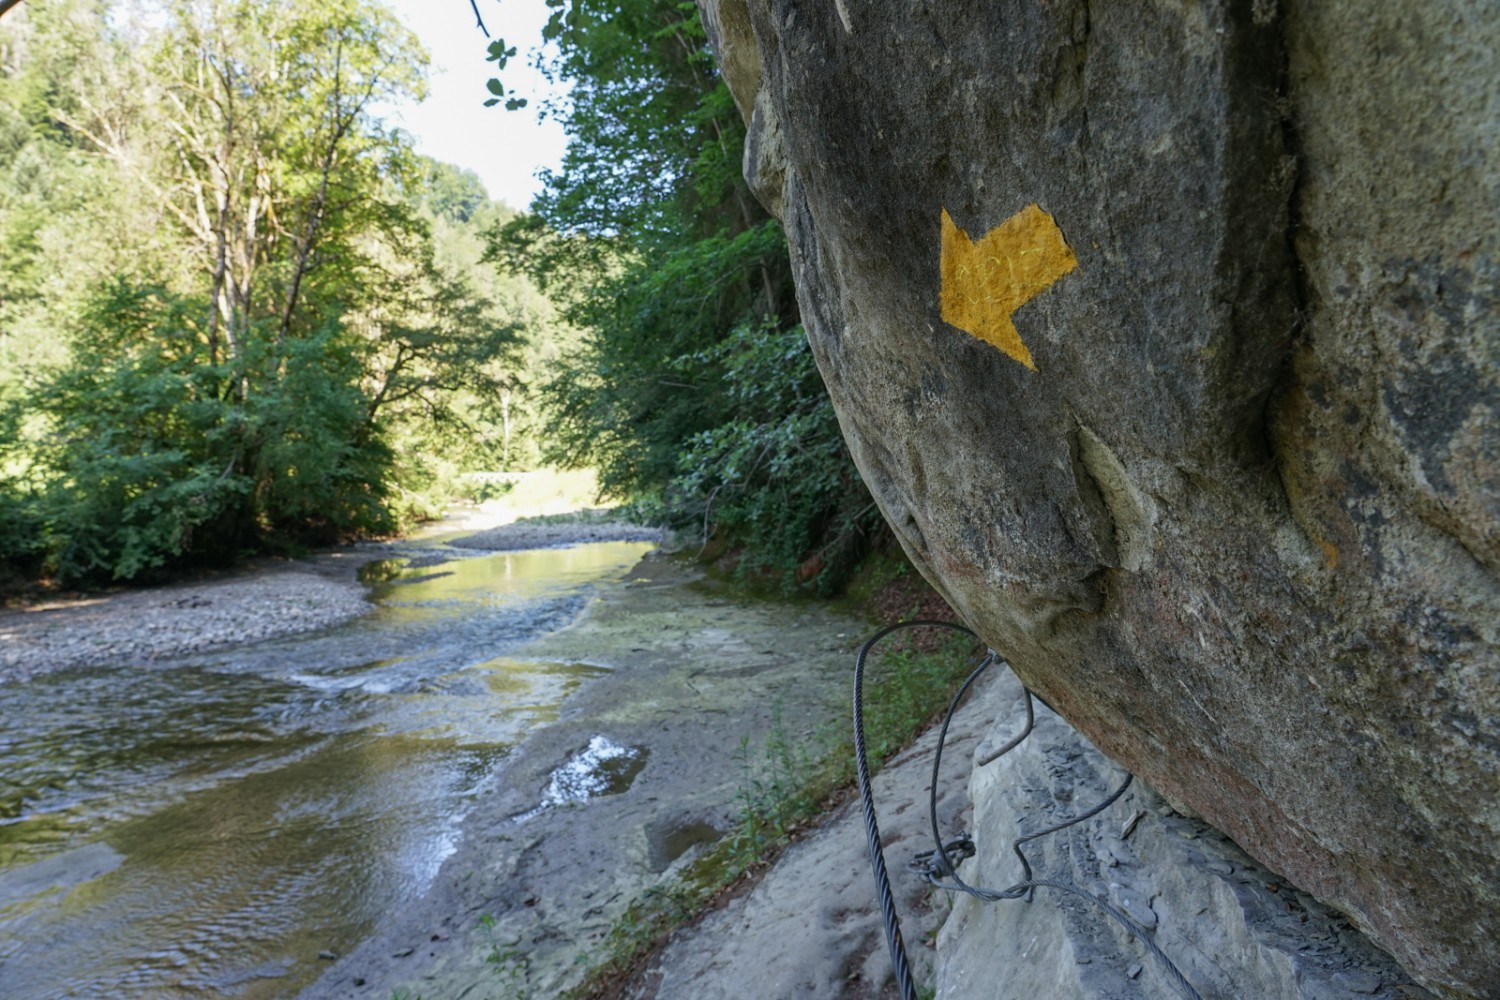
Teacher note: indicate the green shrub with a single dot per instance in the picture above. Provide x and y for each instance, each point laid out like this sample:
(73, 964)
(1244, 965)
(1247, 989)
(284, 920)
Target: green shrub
(776, 474)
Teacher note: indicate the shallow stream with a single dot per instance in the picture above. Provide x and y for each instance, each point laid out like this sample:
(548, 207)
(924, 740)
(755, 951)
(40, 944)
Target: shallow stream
(214, 825)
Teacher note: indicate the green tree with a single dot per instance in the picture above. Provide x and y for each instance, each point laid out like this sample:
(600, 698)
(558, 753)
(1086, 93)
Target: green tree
(694, 391)
(500, 428)
(231, 370)
(51, 187)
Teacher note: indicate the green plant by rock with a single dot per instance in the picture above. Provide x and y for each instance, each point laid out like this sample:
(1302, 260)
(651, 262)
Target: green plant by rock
(693, 390)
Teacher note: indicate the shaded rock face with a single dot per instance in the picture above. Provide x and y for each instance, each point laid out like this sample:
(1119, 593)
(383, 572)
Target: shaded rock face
(1232, 506)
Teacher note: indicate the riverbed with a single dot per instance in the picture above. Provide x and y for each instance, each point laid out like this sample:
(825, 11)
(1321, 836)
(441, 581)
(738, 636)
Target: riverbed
(532, 737)
(213, 824)
(695, 682)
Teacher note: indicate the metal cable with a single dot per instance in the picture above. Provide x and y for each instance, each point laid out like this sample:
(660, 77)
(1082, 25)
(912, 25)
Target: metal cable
(894, 944)
(1015, 845)
(943, 866)
(1016, 740)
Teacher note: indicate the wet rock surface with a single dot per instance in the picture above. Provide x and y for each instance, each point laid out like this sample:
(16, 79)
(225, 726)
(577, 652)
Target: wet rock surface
(538, 880)
(811, 926)
(1226, 493)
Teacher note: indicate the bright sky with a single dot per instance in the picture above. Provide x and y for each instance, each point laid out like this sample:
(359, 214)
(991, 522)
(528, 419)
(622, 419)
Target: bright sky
(505, 148)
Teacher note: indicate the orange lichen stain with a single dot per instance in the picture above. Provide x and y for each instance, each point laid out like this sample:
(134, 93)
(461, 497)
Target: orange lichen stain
(983, 283)
(1330, 554)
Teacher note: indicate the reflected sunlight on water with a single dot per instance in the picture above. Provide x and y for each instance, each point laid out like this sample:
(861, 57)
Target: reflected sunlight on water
(208, 827)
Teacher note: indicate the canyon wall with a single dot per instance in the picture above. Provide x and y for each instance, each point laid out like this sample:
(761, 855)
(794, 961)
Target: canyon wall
(1166, 336)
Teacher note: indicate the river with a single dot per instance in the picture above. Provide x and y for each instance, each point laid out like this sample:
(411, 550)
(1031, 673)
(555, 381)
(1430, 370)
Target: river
(230, 823)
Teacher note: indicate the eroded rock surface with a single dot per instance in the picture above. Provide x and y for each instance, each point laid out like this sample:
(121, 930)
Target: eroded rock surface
(1233, 929)
(1236, 511)
(609, 802)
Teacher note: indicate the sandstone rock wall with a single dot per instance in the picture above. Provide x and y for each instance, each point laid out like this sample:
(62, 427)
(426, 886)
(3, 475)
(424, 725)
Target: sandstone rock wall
(1226, 492)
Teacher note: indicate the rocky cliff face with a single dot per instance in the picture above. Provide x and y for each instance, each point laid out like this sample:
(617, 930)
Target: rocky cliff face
(1166, 335)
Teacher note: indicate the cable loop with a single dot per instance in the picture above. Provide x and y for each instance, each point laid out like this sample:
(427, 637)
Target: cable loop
(939, 866)
(934, 865)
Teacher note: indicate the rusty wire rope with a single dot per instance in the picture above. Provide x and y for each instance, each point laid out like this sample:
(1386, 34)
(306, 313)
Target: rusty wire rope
(939, 866)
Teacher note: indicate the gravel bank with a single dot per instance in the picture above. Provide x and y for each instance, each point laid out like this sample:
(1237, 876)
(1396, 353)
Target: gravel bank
(163, 623)
(545, 535)
(166, 622)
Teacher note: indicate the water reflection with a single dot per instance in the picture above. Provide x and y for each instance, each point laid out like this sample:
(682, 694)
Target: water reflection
(604, 767)
(209, 827)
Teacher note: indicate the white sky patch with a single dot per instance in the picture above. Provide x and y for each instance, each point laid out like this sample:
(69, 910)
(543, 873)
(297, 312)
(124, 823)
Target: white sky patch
(505, 148)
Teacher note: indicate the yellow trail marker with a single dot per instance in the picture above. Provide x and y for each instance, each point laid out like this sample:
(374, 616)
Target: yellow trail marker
(984, 282)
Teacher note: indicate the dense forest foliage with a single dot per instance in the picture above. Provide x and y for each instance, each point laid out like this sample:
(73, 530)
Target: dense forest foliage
(695, 393)
(239, 313)
(236, 311)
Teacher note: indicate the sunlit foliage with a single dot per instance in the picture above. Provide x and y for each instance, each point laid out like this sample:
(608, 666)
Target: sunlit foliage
(226, 310)
(695, 393)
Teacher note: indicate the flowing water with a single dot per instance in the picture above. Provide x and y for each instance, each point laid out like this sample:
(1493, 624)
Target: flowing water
(209, 827)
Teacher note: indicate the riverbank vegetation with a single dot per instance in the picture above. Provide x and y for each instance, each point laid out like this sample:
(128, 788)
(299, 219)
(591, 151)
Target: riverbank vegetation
(787, 787)
(239, 313)
(694, 391)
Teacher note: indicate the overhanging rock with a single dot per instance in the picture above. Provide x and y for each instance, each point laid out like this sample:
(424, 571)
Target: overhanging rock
(1166, 336)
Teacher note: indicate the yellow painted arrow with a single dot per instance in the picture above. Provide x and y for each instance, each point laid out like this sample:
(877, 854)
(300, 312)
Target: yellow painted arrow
(983, 283)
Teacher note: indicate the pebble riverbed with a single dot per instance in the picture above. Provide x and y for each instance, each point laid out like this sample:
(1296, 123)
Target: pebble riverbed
(164, 623)
(168, 622)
